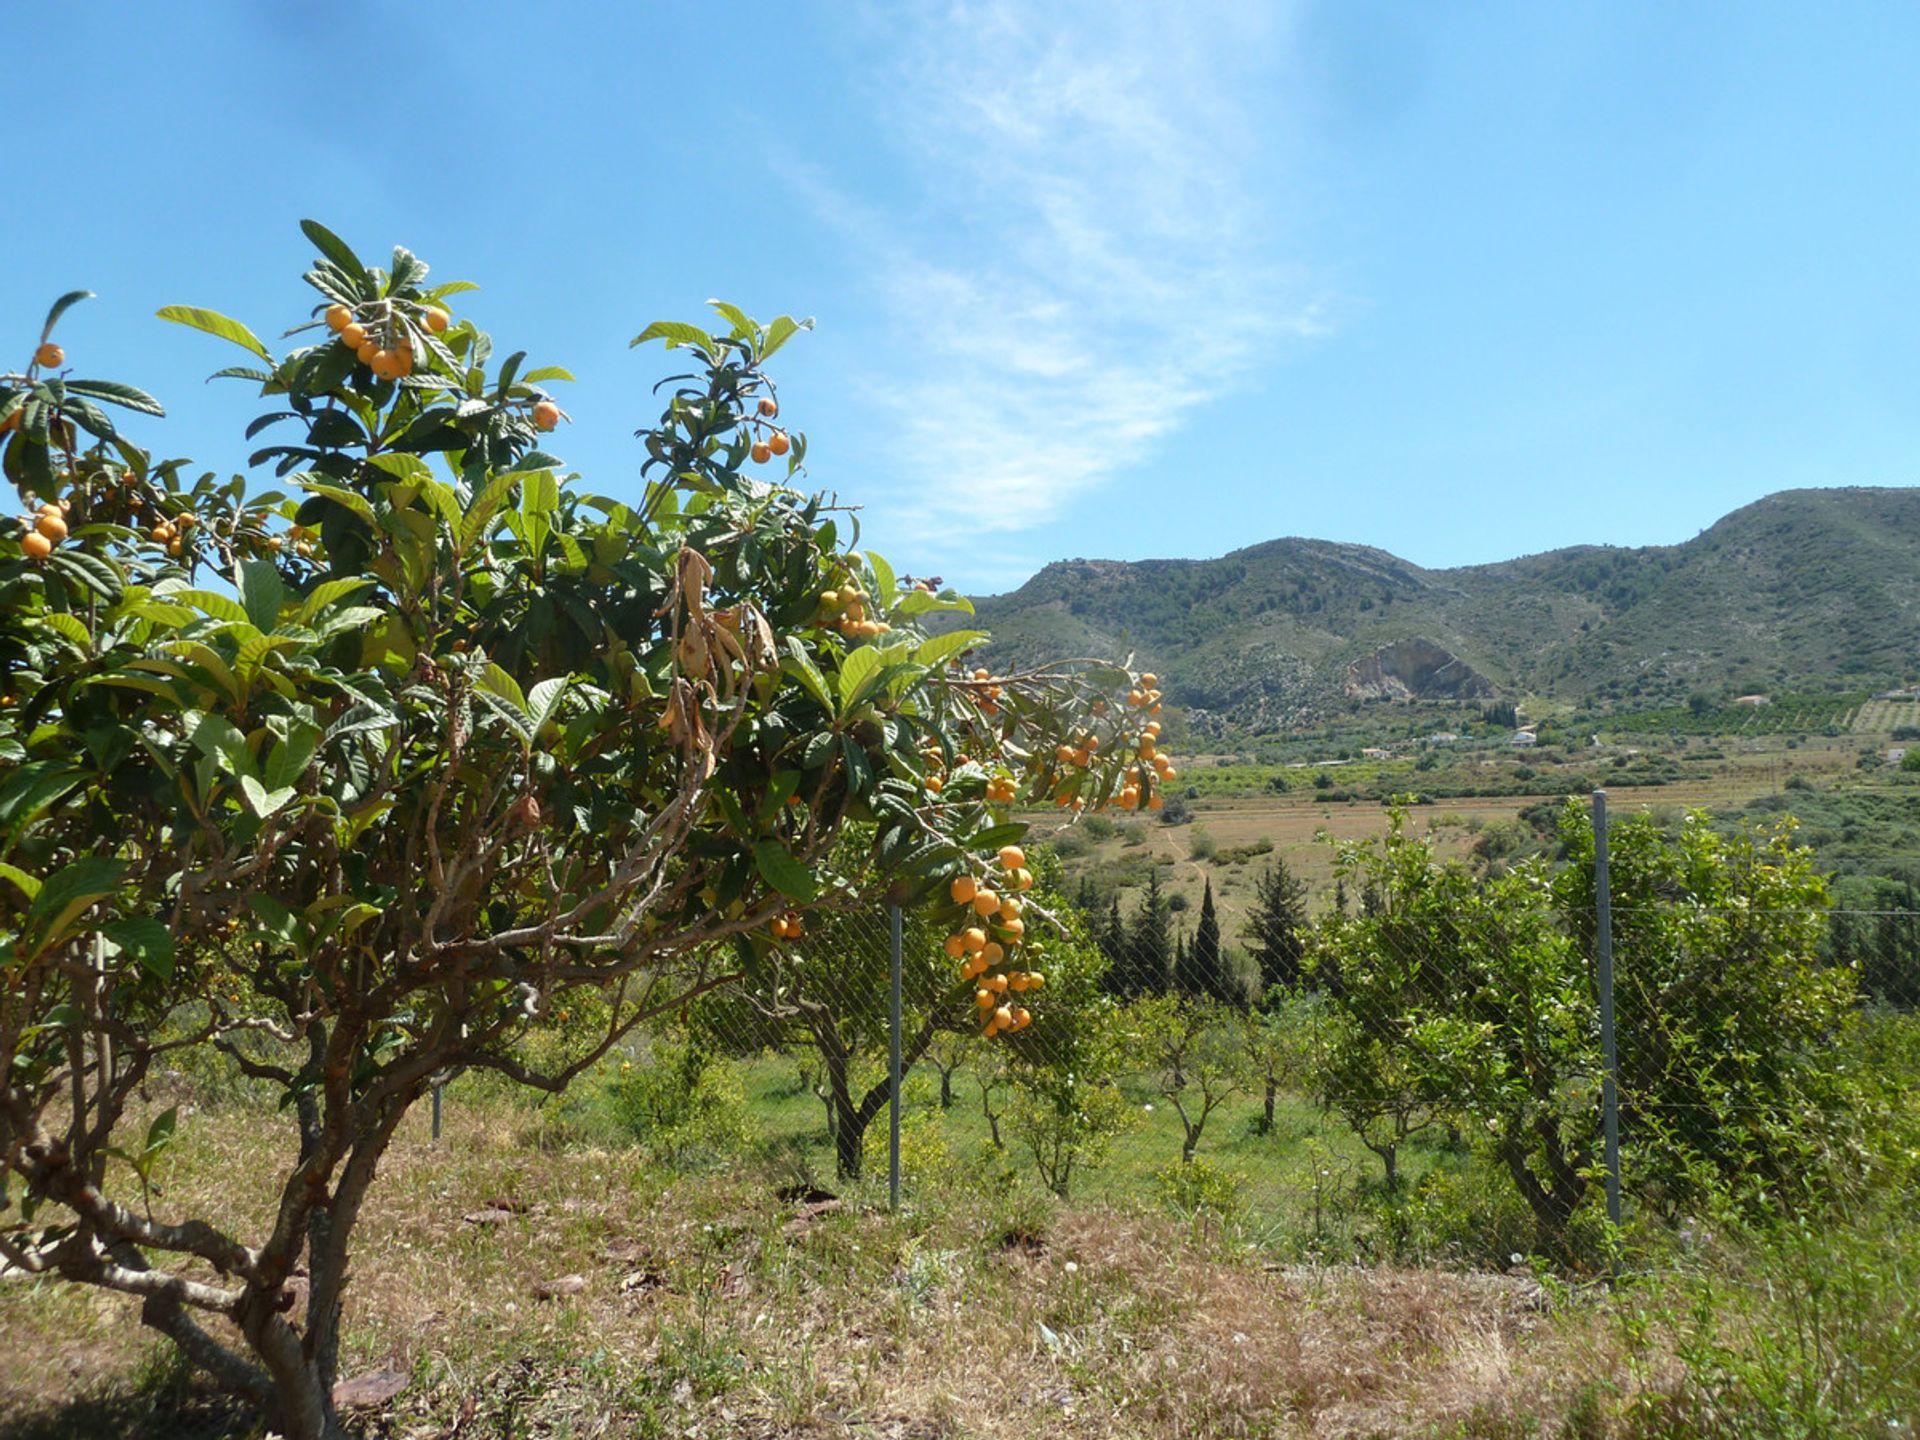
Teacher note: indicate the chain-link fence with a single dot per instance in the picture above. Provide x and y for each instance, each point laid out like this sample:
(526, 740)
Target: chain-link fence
(1431, 1062)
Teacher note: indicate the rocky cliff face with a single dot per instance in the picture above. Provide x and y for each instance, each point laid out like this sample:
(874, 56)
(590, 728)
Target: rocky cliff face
(1415, 670)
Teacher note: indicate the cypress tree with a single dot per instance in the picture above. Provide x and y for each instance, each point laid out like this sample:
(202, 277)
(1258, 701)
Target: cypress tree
(1277, 927)
(1203, 971)
(1149, 958)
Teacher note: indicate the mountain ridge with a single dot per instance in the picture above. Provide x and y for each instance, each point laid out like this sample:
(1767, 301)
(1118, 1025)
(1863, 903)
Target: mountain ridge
(1816, 587)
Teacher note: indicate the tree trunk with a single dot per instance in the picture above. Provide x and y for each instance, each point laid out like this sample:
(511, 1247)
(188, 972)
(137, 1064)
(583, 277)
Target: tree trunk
(1266, 1117)
(1552, 1203)
(946, 1088)
(850, 1120)
(1389, 1153)
(848, 1130)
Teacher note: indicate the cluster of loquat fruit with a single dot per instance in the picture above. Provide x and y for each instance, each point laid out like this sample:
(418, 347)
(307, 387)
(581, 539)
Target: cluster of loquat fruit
(46, 528)
(1133, 791)
(788, 926)
(845, 610)
(769, 439)
(381, 341)
(989, 693)
(984, 947)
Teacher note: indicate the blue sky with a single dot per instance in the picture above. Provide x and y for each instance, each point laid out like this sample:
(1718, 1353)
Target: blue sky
(1131, 278)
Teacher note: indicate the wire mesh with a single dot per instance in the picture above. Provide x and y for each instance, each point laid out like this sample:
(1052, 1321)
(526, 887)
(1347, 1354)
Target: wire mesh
(1416, 1072)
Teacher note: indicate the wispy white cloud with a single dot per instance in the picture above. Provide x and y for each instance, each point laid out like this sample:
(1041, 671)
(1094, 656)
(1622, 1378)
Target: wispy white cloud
(1083, 253)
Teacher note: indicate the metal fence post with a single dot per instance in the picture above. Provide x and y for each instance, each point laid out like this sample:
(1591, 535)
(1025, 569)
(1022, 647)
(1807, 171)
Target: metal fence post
(893, 1066)
(436, 1113)
(1609, 1053)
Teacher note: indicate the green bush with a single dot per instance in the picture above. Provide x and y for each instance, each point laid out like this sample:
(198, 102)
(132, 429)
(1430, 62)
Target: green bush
(1803, 1330)
(1198, 1186)
(687, 1105)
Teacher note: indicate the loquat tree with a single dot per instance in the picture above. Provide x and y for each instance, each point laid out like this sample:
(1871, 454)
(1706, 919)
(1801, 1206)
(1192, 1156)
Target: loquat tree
(358, 783)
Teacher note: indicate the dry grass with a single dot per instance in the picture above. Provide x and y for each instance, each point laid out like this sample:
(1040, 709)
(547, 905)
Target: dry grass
(707, 1310)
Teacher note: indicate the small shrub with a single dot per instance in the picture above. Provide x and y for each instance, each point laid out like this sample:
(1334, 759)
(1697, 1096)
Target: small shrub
(685, 1104)
(1198, 1186)
(1071, 844)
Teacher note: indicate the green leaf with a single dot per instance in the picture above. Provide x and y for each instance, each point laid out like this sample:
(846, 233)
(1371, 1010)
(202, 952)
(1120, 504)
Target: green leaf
(214, 323)
(515, 718)
(995, 836)
(29, 790)
(211, 603)
(477, 522)
(780, 331)
(860, 667)
(114, 393)
(160, 1133)
(675, 333)
(496, 681)
(360, 719)
(27, 885)
(335, 249)
(69, 629)
(799, 664)
(329, 592)
(262, 801)
(408, 270)
(942, 648)
(885, 587)
(546, 372)
(784, 873)
(539, 493)
(69, 893)
(288, 760)
(544, 703)
(87, 572)
(262, 592)
(388, 643)
(60, 307)
(147, 940)
(743, 326)
(352, 501)
(410, 468)
(353, 917)
(216, 735)
(920, 602)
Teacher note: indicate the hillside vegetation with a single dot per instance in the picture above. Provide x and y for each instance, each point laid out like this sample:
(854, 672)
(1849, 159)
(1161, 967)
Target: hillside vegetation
(1804, 589)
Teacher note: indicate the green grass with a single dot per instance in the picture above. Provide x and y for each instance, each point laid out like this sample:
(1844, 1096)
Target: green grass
(1309, 1187)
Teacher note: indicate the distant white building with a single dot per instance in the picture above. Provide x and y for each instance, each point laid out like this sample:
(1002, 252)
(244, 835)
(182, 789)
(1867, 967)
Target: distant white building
(1376, 752)
(1752, 701)
(1525, 737)
(1442, 737)
(1897, 754)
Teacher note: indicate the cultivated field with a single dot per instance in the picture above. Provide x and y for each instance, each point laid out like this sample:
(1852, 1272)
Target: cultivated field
(1298, 824)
